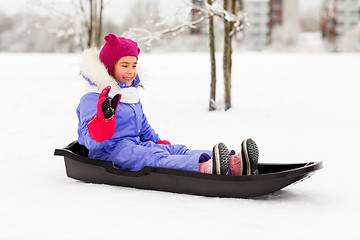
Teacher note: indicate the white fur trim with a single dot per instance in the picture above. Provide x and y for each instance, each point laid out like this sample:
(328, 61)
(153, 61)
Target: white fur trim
(92, 68)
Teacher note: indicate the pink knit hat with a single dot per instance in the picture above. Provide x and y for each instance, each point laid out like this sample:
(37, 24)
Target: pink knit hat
(116, 48)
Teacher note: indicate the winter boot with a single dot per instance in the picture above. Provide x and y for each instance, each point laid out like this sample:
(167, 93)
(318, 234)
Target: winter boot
(221, 159)
(218, 164)
(250, 157)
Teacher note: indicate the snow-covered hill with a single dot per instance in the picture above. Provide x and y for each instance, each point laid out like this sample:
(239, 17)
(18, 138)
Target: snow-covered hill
(297, 107)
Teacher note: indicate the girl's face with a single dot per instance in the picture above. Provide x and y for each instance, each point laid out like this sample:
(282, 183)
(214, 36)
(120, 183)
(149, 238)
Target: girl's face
(125, 69)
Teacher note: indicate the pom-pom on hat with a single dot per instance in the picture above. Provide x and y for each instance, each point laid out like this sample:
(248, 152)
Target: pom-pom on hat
(116, 48)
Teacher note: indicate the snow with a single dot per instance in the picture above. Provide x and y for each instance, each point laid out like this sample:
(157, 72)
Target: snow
(298, 107)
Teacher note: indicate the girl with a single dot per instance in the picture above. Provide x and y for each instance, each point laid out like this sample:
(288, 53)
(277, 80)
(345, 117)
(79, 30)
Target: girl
(114, 128)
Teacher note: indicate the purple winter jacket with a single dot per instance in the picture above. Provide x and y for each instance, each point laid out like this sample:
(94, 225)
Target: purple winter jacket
(133, 145)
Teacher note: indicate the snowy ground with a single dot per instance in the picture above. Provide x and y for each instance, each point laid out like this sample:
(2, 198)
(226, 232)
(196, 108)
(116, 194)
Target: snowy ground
(298, 108)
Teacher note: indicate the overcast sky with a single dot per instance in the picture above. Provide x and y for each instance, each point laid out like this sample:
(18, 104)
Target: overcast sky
(116, 8)
(14, 5)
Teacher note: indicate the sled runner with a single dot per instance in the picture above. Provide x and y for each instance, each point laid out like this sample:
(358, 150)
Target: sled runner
(271, 177)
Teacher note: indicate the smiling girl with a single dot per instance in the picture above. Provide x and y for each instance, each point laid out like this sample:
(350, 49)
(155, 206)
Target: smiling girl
(113, 126)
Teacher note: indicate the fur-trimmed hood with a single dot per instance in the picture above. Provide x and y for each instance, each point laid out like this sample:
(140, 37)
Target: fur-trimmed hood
(93, 70)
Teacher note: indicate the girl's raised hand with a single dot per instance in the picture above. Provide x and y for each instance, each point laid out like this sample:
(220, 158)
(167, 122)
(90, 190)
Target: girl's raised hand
(106, 108)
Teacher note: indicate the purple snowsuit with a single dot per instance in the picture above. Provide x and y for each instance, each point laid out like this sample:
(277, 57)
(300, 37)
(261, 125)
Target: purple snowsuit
(133, 145)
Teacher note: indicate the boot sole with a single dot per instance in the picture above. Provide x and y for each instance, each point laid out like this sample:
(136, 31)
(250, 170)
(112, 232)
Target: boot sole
(221, 159)
(250, 156)
(245, 159)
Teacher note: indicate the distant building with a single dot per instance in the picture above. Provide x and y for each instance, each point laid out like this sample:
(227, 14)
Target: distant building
(265, 16)
(269, 20)
(338, 18)
(257, 35)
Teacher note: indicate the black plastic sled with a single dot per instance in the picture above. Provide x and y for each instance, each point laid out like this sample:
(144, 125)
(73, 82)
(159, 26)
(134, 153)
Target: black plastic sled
(271, 177)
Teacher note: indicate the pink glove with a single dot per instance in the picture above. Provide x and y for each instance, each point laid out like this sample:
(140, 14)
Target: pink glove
(163, 142)
(102, 126)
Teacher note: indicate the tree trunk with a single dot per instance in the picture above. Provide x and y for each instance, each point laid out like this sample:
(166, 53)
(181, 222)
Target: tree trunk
(90, 26)
(99, 30)
(95, 22)
(227, 58)
(212, 106)
(231, 26)
(98, 8)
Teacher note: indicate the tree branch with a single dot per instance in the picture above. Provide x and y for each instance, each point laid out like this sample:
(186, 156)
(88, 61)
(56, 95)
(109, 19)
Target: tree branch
(149, 37)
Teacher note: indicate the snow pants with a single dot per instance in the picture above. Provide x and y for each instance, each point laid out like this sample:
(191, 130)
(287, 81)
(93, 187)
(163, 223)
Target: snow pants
(131, 156)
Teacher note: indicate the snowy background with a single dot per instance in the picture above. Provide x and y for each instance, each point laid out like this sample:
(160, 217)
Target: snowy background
(298, 107)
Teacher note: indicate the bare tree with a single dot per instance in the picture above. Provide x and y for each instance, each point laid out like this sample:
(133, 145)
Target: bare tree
(227, 58)
(234, 21)
(79, 21)
(92, 20)
(212, 101)
(99, 24)
(229, 31)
